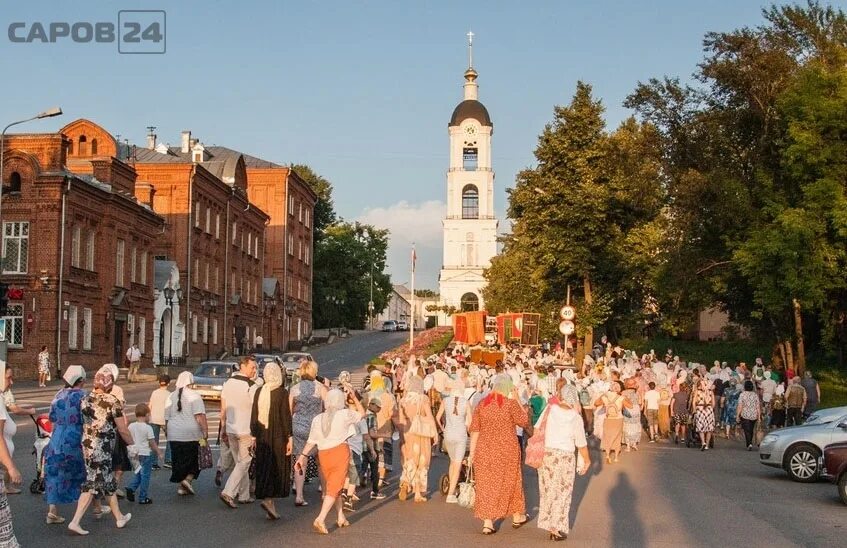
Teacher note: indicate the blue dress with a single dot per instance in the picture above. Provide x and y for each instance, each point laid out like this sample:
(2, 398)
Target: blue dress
(729, 409)
(64, 468)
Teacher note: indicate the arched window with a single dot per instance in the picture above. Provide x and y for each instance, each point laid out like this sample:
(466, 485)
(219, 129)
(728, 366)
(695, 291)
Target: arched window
(470, 302)
(94, 146)
(82, 150)
(470, 202)
(15, 182)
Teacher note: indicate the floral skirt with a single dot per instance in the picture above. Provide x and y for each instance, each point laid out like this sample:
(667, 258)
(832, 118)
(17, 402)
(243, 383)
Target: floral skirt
(555, 485)
(7, 533)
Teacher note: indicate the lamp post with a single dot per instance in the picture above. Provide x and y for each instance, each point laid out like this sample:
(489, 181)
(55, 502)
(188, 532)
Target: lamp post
(270, 308)
(371, 302)
(290, 307)
(208, 305)
(49, 113)
(169, 299)
(338, 302)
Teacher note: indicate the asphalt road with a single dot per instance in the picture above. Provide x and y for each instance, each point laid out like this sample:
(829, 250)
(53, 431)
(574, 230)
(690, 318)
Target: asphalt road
(662, 495)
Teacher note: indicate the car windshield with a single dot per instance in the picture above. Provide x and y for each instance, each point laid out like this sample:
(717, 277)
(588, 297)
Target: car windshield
(824, 416)
(293, 358)
(213, 370)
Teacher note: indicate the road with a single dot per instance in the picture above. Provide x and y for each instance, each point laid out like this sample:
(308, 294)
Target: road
(662, 495)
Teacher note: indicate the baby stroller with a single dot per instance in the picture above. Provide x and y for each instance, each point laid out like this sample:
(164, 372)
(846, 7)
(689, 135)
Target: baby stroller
(444, 482)
(43, 431)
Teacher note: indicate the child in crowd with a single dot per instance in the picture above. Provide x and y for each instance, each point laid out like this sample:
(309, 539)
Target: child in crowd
(144, 443)
(374, 457)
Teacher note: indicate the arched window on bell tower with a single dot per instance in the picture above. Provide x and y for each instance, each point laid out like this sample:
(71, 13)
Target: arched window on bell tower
(470, 202)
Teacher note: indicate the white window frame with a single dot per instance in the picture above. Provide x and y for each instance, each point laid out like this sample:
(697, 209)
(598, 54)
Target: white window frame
(76, 246)
(72, 327)
(194, 328)
(217, 280)
(206, 280)
(208, 220)
(291, 244)
(291, 204)
(143, 272)
(214, 331)
(15, 325)
(133, 265)
(256, 247)
(120, 250)
(142, 333)
(205, 329)
(217, 226)
(249, 244)
(16, 231)
(197, 214)
(90, 245)
(196, 272)
(234, 231)
(86, 329)
(308, 218)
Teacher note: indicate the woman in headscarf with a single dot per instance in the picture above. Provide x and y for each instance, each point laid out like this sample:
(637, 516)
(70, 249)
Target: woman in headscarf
(613, 403)
(306, 401)
(186, 426)
(271, 426)
(7, 451)
(731, 394)
(385, 418)
(329, 432)
(102, 415)
(496, 456)
(416, 449)
(120, 457)
(704, 412)
(64, 467)
(456, 412)
(632, 428)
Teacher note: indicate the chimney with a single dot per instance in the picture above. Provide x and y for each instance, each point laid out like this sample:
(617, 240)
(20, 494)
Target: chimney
(186, 142)
(151, 137)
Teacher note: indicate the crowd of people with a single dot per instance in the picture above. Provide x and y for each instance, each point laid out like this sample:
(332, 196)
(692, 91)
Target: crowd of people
(489, 419)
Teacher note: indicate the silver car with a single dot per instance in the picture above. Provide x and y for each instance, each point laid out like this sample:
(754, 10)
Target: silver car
(798, 449)
(209, 378)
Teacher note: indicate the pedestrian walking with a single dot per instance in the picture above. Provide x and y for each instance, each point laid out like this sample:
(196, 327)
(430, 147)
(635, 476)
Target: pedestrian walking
(665, 402)
(7, 452)
(258, 342)
(328, 433)
(43, 360)
(133, 358)
(418, 433)
(795, 402)
(270, 425)
(749, 412)
(704, 412)
(777, 418)
(237, 398)
(102, 415)
(613, 404)
(496, 456)
(732, 393)
(158, 402)
(455, 412)
(652, 400)
(632, 416)
(144, 445)
(185, 427)
(306, 400)
(813, 394)
(64, 467)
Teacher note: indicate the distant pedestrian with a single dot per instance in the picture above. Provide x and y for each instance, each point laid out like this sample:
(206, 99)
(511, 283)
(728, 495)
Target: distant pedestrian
(651, 411)
(749, 412)
(144, 445)
(43, 366)
(186, 426)
(457, 413)
(777, 418)
(158, 402)
(704, 412)
(133, 357)
(680, 413)
(813, 394)
(795, 401)
(236, 411)
(306, 400)
(613, 403)
(258, 342)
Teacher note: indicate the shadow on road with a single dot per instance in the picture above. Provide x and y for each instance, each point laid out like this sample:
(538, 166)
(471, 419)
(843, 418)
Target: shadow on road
(627, 529)
(581, 484)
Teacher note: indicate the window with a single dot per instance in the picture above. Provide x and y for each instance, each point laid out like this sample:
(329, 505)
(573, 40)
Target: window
(82, 150)
(142, 274)
(291, 205)
(470, 157)
(142, 333)
(15, 182)
(256, 247)
(93, 147)
(72, 327)
(249, 243)
(242, 240)
(206, 329)
(234, 231)
(194, 328)
(206, 280)
(470, 202)
(470, 302)
(300, 249)
(208, 220)
(217, 226)
(299, 291)
(130, 326)
(133, 265)
(119, 263)
(291, 244)
(300, 212)
(196, 272)
(306, 253)
(197, 213)
(215, 331)
(76, 247)
(217, 279)
(308, 218)
(89, 251)
(86, 329)
(15, 325)
(16, 247)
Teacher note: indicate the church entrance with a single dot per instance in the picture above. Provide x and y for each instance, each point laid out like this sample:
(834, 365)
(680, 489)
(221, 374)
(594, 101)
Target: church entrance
(470, 302)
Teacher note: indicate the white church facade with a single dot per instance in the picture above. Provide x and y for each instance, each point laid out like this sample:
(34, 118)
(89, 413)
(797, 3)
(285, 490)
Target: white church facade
(470, 226)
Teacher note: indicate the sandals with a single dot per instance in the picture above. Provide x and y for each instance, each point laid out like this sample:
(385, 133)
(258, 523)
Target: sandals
(344, 523)
(488, 530)
(319, 528)
(301, 503)
(271, 514)
(518, 525)
(186, 485)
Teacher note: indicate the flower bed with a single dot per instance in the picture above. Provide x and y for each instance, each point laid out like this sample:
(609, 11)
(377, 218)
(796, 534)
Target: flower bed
(429, 342)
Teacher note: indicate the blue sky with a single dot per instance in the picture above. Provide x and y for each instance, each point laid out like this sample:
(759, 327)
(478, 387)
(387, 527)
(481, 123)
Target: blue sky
(361, 91)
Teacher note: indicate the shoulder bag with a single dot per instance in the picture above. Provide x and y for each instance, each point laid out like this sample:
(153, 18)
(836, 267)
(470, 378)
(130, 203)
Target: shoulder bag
(421, 427)
(535, 445)
(467, 490)
(204, 457)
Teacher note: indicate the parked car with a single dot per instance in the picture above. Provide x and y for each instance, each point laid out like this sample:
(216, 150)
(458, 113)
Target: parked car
(402, 325)
(289, 361)
(209, 378)
(835, 465)
(389, 325)
(798, 449)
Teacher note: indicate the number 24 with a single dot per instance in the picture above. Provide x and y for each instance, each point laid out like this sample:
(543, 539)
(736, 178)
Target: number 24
(150, 34)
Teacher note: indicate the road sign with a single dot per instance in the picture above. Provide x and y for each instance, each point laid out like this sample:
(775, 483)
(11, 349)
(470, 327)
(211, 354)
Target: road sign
(566, 327)
(567, 313)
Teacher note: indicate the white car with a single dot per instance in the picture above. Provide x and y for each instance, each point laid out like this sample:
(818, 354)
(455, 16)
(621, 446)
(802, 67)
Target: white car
(402, 325)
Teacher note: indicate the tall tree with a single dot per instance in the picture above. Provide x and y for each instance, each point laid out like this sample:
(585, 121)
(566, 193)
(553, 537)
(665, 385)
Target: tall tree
(325, 207)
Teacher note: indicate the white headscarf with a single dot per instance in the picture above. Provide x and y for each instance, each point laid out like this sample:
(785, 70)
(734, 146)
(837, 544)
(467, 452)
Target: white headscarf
(2, 376)
(273, 380)
(112, 369)
(335, 401)
(73, 373)
(185, 378)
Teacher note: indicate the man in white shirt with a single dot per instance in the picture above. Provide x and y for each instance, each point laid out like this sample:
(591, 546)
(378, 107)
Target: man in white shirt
(258, 342)
(133, 356)
(158, 400)
(651, 410)
(768, 386)
(236, 410)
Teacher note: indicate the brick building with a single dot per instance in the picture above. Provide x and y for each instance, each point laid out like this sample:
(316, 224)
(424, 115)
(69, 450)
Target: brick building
(78, 249)
(215, 238)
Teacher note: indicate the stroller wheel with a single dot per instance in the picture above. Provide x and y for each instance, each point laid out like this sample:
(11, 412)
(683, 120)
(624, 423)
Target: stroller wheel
(34, 487)
(444, 484)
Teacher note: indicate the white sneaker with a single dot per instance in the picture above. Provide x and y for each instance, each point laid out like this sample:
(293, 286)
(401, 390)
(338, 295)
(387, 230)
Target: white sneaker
(452, 499)
(121, 523)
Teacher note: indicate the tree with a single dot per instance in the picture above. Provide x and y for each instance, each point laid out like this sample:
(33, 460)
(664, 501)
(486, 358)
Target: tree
(426, 293)
(324, 208)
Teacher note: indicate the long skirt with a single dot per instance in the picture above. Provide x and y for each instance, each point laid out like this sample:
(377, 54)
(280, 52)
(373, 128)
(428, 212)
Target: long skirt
(184, 455)
(417, 453)
(7, 533)
(555, 485)
(334, 463)
(704, 418)
(612, 433)
(664, 421)
(599, 419)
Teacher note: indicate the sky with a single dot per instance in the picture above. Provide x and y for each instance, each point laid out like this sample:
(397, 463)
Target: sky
(361, 91)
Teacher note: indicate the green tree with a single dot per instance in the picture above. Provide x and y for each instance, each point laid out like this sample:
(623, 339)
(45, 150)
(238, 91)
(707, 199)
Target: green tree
(325, 207)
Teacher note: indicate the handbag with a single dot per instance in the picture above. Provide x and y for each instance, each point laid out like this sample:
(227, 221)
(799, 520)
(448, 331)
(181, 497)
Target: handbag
(467, 490)
(535, 445)
(421, 427)
(204, 456)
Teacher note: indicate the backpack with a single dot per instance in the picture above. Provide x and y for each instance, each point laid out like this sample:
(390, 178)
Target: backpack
(778, 403)
(584, 398)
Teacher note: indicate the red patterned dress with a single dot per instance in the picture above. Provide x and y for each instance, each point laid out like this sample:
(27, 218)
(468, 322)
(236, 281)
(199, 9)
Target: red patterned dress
(497, 458)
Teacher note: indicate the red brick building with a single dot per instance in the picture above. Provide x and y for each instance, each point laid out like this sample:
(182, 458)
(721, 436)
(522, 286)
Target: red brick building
(78, 249)
(215, 236)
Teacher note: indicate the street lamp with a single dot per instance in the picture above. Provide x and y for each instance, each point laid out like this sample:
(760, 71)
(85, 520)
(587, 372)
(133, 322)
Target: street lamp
(49, 113)
(270, 308)
(290, 307)
(208, 305)
(169, 299)
(371, 302)
(338, 302)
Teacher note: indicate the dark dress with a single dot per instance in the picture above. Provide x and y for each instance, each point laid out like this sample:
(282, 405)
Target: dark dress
(64, 467)
(273, 466)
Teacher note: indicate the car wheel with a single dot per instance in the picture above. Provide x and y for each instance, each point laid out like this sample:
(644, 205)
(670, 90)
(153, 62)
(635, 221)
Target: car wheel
(801, 463)
(842, 487)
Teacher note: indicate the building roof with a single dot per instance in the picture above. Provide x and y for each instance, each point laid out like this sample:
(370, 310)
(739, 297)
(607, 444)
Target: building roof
(249, 161)
(214, 154)
(470, 108)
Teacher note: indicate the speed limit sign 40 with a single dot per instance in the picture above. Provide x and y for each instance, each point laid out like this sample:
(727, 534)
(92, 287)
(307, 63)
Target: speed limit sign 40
(566, 327)
(567, 313)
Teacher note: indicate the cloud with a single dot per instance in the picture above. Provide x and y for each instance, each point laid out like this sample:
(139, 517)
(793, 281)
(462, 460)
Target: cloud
(411, 223)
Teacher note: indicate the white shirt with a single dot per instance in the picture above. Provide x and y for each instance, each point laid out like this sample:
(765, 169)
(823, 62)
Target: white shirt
(142, 433)
(182, 426)
(258, 340)
(133, 354)
(158, 400)
(9, 429)
(342, 427)
(356, 441)
(564, 430)
(768, 388)
(238, 395)
(651, 398)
